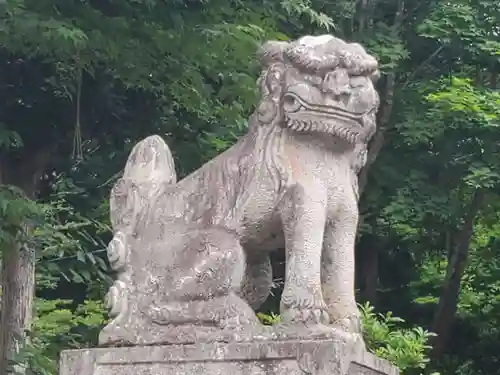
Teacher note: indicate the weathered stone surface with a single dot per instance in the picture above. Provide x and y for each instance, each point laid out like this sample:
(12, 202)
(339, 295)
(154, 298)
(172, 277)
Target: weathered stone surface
(186, 251)
(192, 255)
(330, 357)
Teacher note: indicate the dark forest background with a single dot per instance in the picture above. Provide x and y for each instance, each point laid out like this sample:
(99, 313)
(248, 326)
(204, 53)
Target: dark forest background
(82, 80)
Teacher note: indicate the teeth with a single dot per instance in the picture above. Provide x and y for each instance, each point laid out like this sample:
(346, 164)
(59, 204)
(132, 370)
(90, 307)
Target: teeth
(324, 127)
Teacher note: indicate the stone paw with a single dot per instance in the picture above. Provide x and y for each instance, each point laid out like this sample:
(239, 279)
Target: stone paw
(304, 308)
(167, 314)
(239, 314)
(304, 315)
(350, 323)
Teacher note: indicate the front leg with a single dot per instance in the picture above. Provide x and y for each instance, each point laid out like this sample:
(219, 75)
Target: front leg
(303, 216)
(338, 270)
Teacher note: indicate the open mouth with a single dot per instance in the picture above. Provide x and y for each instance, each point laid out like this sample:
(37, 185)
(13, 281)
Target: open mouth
(294, 104)
(303, 117)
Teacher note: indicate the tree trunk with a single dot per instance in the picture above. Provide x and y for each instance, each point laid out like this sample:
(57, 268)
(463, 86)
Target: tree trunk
(363, 15)
(18, 283)
(18, 262)
(448, 300)
(494, 76)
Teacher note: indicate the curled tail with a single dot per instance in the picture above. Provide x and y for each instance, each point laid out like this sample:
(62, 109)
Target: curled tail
(149, 166)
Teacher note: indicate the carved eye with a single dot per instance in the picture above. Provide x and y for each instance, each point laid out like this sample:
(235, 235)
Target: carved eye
(290, 103)
(358, 81)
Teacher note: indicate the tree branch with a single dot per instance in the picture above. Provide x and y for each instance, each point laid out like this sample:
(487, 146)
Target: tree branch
(420, 66)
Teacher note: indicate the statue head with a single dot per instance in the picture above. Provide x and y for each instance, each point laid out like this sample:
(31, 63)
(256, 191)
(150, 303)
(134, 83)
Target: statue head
(320, 84)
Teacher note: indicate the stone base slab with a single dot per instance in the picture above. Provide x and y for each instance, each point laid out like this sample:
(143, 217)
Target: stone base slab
(327, 357)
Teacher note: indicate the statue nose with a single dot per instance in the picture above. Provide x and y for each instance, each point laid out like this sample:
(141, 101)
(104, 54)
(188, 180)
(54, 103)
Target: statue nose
(338, 98)
(336, 87)
(342, 92)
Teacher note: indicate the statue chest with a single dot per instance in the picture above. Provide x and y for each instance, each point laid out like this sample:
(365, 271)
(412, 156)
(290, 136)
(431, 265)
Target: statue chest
(314, 163)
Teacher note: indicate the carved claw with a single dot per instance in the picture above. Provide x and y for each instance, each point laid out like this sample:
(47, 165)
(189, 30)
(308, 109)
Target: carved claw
(350, 323)
(166, 314)
(303, 307)
(243, 317)
(306, 315)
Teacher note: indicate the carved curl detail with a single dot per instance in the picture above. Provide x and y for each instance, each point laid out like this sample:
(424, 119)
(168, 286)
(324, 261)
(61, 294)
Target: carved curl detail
(271, 88)
(121, 203)
(117, 252)
(321, 54)
(117, 299)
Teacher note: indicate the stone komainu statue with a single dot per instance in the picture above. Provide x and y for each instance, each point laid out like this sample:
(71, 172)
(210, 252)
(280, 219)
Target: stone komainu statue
(195, 253)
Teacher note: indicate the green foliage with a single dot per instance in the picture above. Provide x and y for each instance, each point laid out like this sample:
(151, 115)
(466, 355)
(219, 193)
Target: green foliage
(269, 319)
(471, 23)
(59, 324)
(185, 70)
(67, 235)
(406, 348)
(386, 338)
(16, 210)
(304, 8)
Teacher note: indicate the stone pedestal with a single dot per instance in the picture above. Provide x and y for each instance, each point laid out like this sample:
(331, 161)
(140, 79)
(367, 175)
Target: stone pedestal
(328, 357)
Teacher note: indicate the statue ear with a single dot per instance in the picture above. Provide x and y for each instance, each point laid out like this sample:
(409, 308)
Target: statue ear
(272, 91)
(274, 79)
